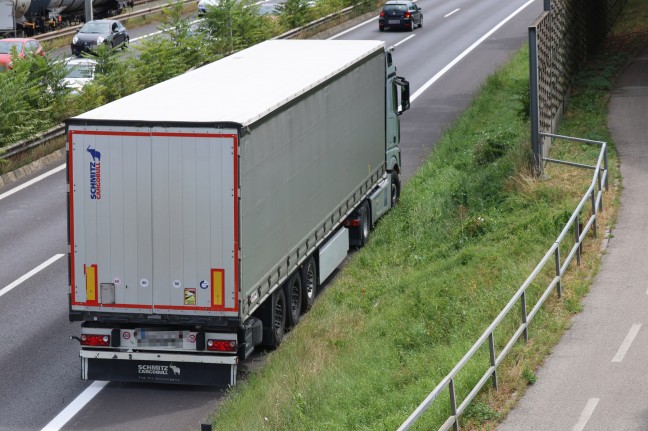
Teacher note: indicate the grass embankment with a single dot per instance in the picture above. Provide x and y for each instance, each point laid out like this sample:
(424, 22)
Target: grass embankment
(471, 225)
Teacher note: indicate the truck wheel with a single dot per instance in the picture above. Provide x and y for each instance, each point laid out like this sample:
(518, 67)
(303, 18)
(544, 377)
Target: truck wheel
(395, 188)
(309, 283)
(294, 297)
(274, 319)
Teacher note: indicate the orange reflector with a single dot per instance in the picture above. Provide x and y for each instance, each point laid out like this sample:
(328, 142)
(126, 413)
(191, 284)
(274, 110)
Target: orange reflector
(91, 283)
(218, 287)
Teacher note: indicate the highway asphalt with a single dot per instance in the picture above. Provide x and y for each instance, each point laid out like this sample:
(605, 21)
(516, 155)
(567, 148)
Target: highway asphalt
(596, 378)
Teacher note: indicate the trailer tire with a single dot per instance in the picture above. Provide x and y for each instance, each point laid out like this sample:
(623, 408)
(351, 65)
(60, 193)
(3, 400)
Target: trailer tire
(274, 319)
(294, 293)
(395, 188)
(309, 283)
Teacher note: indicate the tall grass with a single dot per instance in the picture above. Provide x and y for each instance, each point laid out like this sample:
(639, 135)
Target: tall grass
(471, 225)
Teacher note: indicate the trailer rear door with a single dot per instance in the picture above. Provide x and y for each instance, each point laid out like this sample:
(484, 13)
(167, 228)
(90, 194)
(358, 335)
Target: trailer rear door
(154, 220)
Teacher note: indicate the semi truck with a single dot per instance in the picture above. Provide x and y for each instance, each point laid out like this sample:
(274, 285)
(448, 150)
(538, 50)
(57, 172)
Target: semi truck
(205, 212)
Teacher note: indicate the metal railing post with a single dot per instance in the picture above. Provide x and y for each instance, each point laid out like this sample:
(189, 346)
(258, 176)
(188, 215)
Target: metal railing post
(453, 405)
(524, 316)
(607, 173)
(577, 237)
(594, 212)
(491, 345)
(558, 274)
(600, 186)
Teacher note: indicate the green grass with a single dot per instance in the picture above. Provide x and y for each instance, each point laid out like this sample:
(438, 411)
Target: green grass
(471, 226)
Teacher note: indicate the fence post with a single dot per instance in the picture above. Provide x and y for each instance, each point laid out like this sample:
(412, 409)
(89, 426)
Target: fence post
(594, 211)
(577, 234)
(558, 274)
(491, 345)
(453, 405)
(524, 317)
(607, 173)
(534, 102)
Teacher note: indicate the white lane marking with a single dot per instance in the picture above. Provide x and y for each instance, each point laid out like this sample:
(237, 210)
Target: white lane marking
(40, 267)
(404, 40)
(32, 181)
(453, 12)
(632, 333)
(467, 51)
(75, 406)
(586, 414)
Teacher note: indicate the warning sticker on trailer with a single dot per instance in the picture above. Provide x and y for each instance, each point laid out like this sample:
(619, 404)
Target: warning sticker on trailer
(190, 297)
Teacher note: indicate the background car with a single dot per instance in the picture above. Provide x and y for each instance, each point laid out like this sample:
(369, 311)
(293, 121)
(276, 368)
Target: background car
(23, 46)
(108, 31)
(80, 71)
(400, 14)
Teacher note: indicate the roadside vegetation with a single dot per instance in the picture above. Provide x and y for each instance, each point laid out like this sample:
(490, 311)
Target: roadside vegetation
(471, 225)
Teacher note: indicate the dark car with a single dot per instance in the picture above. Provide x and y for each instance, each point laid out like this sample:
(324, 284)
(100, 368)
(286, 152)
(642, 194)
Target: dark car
(400, 14)
(107, 31)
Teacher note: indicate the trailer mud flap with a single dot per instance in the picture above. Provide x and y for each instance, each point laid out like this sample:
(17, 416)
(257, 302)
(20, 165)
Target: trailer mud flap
(180, 373)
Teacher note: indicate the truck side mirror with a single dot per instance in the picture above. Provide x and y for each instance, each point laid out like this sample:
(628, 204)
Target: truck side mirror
(404, 93)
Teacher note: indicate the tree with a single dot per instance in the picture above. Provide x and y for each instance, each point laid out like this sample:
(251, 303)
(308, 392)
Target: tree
(294, 13)
(29, 97)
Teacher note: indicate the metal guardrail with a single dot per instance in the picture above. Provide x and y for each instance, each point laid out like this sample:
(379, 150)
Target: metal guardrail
(290, 34)
(28, 144)
(593, 195)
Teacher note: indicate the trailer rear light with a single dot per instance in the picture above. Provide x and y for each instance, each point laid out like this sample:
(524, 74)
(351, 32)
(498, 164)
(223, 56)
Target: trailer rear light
(221, 345)
(95, 340)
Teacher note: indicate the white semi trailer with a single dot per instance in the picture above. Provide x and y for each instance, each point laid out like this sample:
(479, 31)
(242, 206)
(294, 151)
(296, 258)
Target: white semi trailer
(205, 211)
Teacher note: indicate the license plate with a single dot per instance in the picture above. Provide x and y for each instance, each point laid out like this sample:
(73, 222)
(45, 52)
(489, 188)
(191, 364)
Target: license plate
(148, 338)
(394, 21)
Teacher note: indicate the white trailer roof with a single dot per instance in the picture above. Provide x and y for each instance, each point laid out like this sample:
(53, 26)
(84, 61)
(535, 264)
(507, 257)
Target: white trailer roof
(240, 88)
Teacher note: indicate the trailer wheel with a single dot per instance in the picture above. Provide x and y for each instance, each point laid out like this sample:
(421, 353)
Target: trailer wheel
(273, 316)
(309, 283)
(294, 297)
(395, 188)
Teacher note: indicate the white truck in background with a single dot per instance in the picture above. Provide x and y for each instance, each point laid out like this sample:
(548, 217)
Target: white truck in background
(205, 211)
(7, 16)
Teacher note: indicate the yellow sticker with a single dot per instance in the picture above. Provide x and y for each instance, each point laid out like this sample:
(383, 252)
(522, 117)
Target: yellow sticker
(91, 282)
(218, 278)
